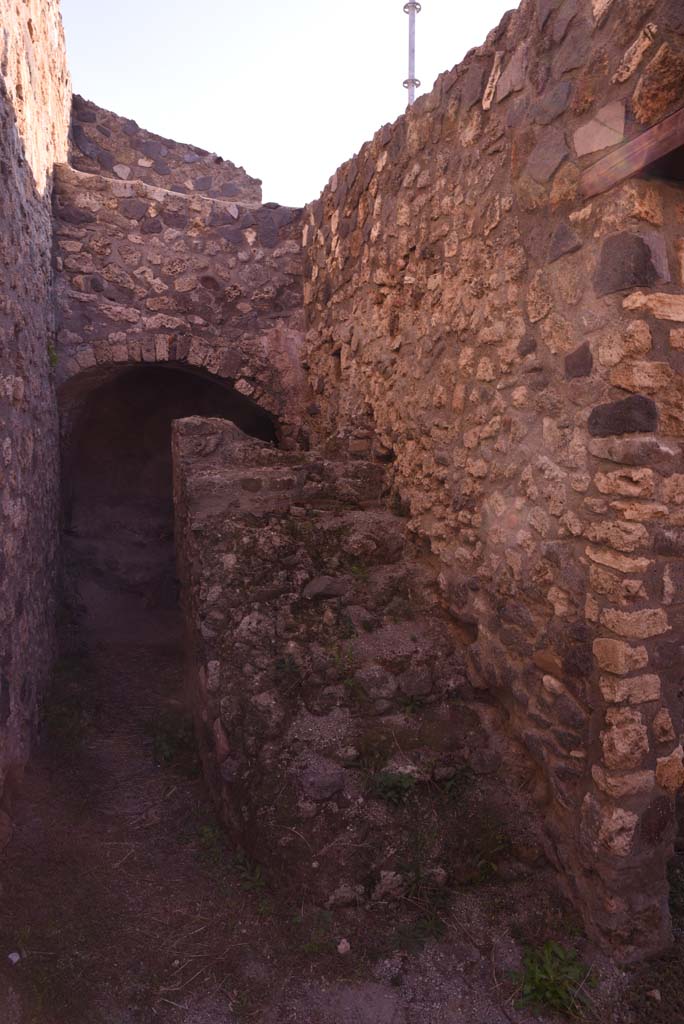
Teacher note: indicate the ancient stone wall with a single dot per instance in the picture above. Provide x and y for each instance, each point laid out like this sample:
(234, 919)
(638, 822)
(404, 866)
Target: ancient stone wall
(517, 349)
(115, 147)
(159, 275)
(34, 115)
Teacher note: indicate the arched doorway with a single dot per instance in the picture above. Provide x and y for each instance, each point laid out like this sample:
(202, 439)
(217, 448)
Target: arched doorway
(117, 507)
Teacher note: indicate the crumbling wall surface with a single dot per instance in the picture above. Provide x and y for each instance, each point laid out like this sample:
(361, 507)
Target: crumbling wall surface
(518, 349)
(116, 147)
(34, 113)
(146, 274)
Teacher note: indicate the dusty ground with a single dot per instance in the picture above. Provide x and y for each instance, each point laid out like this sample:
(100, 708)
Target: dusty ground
(125, 905)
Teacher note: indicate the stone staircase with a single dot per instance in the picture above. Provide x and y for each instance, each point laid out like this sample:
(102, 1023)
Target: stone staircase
(338, 730)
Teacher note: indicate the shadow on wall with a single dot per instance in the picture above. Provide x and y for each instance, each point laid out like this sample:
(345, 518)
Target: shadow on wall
(117, 502)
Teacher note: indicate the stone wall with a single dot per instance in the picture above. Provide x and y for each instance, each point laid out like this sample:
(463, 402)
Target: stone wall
(517, 351)
(339, 734)
(172, 276)
(116, 147)
(34, 116)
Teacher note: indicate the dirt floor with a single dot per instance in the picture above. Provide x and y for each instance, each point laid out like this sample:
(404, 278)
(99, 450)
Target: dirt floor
(122, 902)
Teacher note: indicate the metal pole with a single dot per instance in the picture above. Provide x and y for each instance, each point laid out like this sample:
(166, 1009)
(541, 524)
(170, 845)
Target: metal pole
(412, 83)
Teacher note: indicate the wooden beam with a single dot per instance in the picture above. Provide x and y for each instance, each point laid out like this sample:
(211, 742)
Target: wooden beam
(631, 157)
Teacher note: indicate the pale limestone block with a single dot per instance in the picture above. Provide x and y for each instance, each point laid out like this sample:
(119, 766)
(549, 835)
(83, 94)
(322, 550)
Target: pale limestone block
(632, 482)
(618, 657)
(639, 625)
(625, 740)
(603, 556)
(634, 690)
(660, 304)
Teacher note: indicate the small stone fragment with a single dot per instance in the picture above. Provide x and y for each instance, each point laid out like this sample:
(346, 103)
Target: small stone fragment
(488, 97)
(579, 363)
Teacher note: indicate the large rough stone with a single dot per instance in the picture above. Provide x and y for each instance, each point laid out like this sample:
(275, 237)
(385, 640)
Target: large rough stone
(666, 457)
(634, 415)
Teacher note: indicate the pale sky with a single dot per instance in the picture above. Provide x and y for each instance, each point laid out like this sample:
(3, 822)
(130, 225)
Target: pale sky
(289, 89)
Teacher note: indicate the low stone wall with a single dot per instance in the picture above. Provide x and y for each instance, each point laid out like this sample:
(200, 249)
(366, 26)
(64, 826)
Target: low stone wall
(517, 350)
(339, 734)
(146, 274)
(34, 111)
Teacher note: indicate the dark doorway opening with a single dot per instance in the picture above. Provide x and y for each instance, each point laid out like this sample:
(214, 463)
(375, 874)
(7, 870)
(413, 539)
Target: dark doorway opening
(668, 168)
(117, 488)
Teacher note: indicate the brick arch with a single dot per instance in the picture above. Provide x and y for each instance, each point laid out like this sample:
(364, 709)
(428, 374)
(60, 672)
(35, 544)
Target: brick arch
(263, 381)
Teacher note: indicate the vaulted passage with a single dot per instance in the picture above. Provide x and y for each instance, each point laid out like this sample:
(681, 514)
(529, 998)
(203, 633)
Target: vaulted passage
(117, 485)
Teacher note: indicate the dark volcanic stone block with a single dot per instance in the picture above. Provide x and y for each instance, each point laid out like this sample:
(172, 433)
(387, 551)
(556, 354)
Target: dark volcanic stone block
(563, 18)
(553, 104)
(134, 209)
(575, 50)
(544, 9)
(564, 241)
(625, 262)
(151, 226)
(634, 415)
(81, 140)
(657, 819)
(267, 229)
(473, 85)
(75, 215)
(580, 362)
(547, 156)
(669, 543)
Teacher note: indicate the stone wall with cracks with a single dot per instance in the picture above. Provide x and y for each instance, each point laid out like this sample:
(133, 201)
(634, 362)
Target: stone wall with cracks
(34, 115)
(150, 274)
(518, 349)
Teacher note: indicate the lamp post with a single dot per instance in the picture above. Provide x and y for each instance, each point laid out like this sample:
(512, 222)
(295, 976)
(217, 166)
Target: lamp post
(412, 83)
